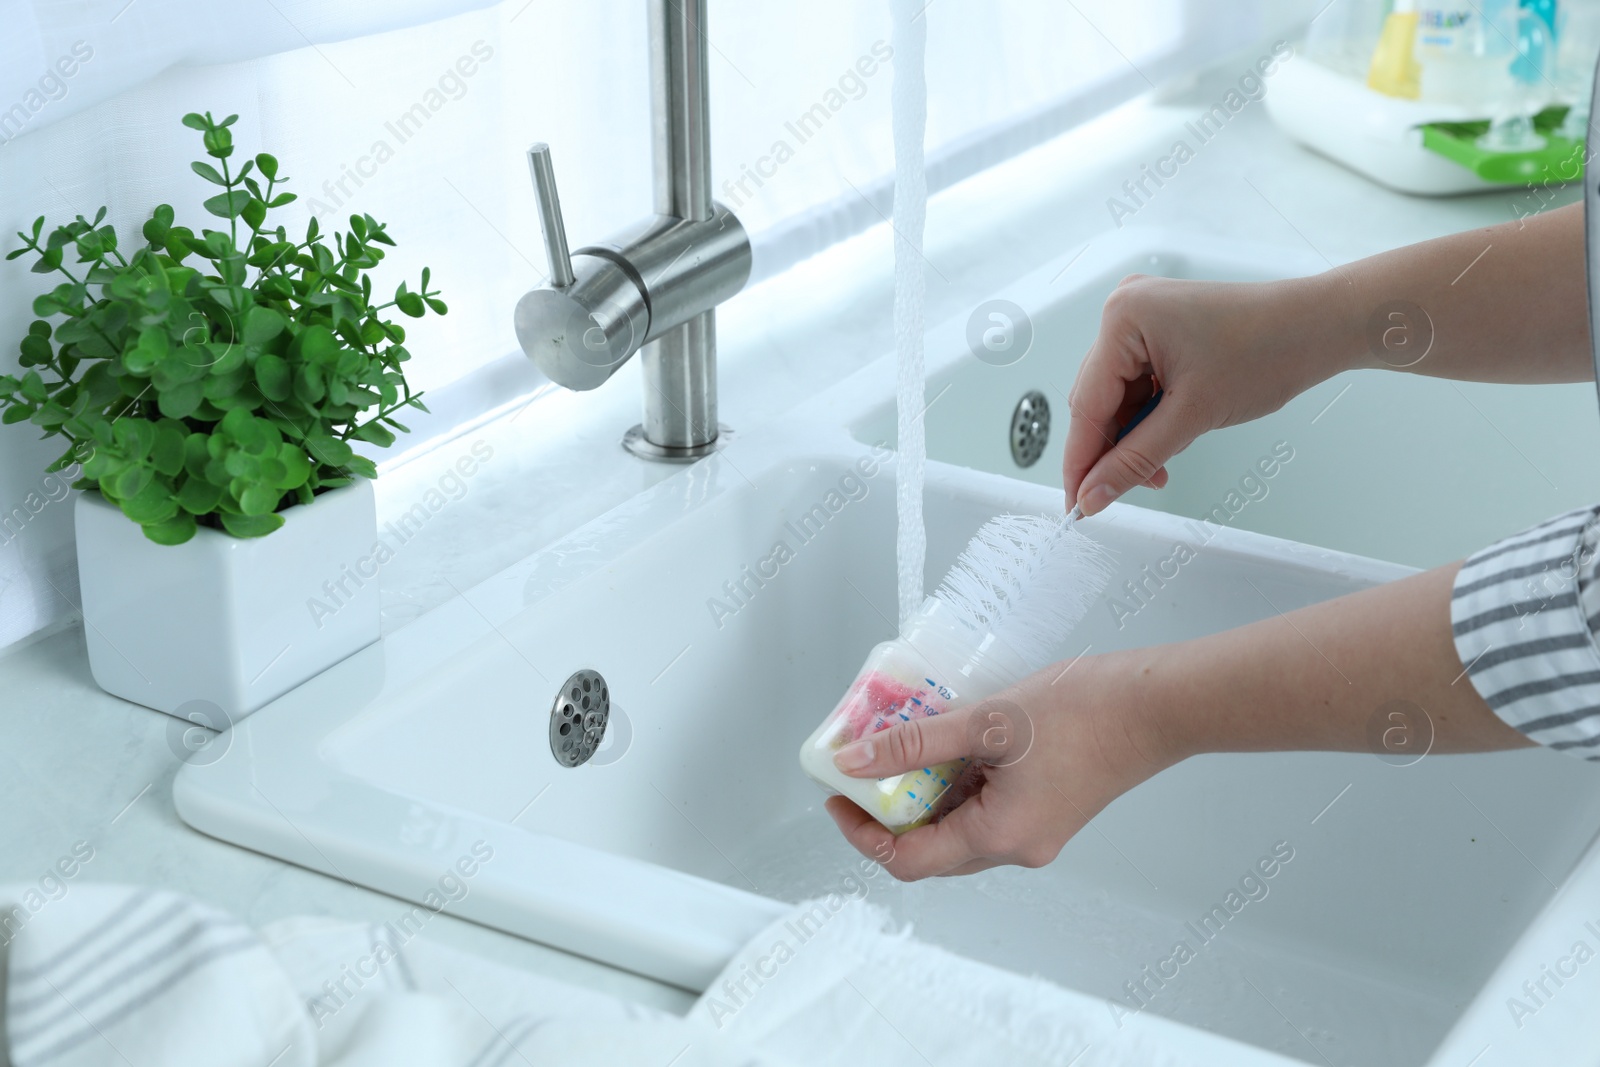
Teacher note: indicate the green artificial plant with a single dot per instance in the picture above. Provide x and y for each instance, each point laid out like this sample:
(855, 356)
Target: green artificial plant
(214, 379)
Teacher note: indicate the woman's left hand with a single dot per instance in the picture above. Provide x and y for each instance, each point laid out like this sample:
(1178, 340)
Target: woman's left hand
(1051, 752)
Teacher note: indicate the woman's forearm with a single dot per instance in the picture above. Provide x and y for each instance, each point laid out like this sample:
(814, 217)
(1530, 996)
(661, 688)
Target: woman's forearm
(1506, 303)
(1375, 668)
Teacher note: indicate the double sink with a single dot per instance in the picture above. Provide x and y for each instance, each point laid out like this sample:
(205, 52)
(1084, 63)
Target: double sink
(726, 608)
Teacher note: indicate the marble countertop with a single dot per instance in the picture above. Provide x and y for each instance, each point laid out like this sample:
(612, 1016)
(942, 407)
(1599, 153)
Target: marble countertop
(77, 765)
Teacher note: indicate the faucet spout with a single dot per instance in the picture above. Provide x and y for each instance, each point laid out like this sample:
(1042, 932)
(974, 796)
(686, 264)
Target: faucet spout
(652, 288)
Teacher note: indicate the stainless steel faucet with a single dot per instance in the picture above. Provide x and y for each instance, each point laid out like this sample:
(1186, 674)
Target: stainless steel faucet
(653, 287)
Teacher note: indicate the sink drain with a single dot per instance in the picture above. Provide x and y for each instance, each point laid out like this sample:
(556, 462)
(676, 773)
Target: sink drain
(1030, 428)
(578, 718)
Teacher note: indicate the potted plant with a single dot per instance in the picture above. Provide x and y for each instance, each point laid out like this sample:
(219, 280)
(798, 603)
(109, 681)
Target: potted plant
(211, 386)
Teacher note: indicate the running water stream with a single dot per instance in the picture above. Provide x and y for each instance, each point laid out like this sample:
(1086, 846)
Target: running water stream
(910, 106)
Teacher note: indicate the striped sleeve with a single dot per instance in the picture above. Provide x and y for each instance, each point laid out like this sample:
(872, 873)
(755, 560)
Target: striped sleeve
(1525, 614)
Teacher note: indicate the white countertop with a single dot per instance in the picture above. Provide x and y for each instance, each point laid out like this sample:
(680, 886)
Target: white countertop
(79, 765)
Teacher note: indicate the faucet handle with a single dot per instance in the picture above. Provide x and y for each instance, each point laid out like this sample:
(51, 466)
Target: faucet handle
(555, 231)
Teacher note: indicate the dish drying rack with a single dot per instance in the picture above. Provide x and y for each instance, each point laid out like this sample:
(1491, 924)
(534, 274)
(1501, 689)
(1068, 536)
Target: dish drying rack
(1414, 146)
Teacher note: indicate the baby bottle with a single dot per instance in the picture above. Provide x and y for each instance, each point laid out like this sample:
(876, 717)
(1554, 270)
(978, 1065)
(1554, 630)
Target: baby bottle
(938, 664)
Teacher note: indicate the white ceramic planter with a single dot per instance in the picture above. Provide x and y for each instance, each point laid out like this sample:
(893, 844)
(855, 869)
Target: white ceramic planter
(220, 625)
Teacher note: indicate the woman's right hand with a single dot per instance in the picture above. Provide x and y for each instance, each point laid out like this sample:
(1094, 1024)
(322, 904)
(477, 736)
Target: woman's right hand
(1221, 352)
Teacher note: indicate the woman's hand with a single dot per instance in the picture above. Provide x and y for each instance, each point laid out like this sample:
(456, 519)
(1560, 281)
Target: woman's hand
(1222, 353)
(1508, 304)
(1053, 751)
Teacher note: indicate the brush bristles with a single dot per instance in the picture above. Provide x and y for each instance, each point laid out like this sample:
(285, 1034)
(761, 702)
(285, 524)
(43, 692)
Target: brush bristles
(1028, 580)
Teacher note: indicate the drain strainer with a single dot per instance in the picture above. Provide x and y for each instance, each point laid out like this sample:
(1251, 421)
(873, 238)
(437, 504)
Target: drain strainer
(578, 718)
(1030, 428)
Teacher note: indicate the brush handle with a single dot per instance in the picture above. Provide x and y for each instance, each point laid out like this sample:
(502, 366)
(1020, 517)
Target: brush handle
(1138, 416)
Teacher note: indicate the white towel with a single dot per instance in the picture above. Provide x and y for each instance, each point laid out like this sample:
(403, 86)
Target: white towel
(118, 976)
(835, 983)
(107, 974)
(114, 976)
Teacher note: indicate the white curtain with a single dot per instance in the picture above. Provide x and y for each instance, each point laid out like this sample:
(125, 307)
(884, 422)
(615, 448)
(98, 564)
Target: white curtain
(417, 112)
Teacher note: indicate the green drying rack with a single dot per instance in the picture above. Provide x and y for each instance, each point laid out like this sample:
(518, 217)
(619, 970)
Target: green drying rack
(1560, 160)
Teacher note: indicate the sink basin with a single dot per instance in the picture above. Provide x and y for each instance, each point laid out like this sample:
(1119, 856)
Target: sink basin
(388, 769)
(1414, 900)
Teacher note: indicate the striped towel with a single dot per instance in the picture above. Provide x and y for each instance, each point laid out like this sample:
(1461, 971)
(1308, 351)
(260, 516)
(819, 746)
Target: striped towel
(88, 973)
(1525, 613)
(112, 976)
(121, 976)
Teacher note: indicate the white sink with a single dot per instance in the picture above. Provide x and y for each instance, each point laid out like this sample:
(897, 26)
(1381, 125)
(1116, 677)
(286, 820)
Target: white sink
(1418, 898)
